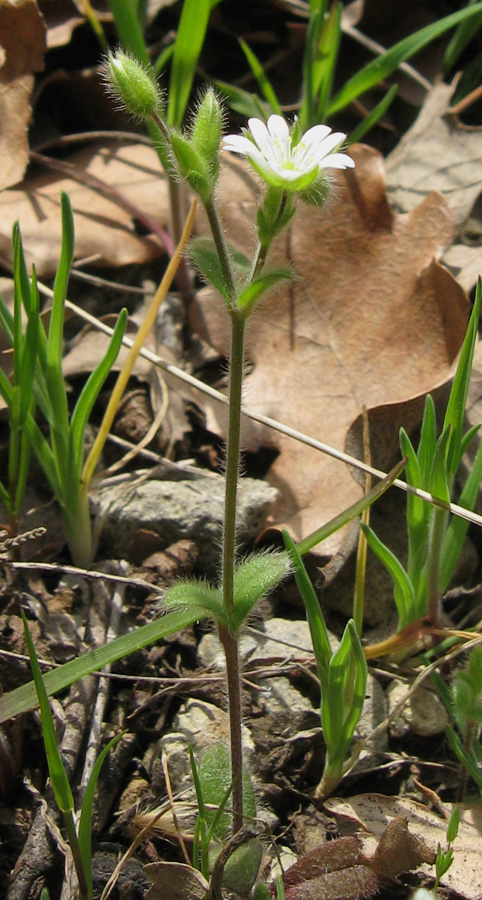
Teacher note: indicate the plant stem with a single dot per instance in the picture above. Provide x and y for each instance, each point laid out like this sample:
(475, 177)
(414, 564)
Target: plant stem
(433, 591)
(232, 458)
(230, 641)
(218, 237)
(230, 644)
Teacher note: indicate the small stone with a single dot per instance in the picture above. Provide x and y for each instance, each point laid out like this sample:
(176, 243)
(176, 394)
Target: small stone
(424, 714)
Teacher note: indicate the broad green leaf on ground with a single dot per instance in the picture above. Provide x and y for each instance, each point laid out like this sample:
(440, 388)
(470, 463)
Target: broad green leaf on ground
(439, 153)
(103, 229)
(373, 812)
(371, 319)
(22, 45)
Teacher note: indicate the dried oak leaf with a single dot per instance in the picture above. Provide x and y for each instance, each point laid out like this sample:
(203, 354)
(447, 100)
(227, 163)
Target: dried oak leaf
(374, 811)
(103, 229)
(371, 318)
(22, 46)
(350, 869)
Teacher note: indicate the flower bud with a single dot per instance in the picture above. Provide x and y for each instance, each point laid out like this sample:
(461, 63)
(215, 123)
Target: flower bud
(133, 85)
(192, 165)
(206, 130)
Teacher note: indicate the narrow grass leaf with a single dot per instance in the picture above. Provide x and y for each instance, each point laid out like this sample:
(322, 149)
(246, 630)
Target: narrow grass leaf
(404, 593)
(89, 394)
(259, 73)
(245, 103)
(24, 698)
(129, 29)
(58, 775)
(85, 823)
(316, 621)
(458, 42)
(463, 756)
(189, 41)
(455, 412)
(351, 512)
(325, 62)
(457, 529)
(383, 66)
(373, 116)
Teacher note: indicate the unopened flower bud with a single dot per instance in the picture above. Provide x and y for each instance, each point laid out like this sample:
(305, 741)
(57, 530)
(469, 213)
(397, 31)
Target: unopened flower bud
(133, 85)
(206, 130)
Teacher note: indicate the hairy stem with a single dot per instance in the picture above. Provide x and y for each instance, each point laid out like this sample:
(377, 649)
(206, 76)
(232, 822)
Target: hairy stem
(230, 644)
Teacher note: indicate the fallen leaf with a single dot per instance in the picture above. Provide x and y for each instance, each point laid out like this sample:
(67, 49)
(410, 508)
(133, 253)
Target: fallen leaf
(372, 318)
(102, 227)
(439, 153)
(374, 811)
(175, 881)
(348, 868)
(22, 45)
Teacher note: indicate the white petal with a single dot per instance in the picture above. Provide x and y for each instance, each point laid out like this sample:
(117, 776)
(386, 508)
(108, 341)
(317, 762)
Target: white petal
(330, 143)
(315, 135)
(278, 127)
(338, 161)
(237, 143)
(263, 140)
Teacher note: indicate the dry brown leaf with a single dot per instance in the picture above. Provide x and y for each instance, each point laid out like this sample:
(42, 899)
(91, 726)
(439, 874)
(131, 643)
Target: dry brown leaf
(371, 319)
(175, 881)
(374, 811)
(22, 45)
(102, 227)
(437, 154)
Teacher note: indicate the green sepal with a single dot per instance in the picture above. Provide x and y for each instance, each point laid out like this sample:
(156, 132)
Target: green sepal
(248, 297)
(274, 214)
(192, 166)
(254, 577)
(134, 85)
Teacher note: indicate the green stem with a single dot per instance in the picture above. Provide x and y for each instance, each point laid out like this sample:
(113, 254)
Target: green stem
(230, 644)
(221, 247)
(232, 458)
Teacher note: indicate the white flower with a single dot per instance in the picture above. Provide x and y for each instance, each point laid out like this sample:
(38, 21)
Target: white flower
(287, 159)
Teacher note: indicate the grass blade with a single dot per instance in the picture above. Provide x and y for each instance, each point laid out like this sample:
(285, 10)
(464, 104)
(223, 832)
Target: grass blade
(385, 64)
(24, 698)
(58, 775)
(129, 29)
(189, 41)
(259, 73)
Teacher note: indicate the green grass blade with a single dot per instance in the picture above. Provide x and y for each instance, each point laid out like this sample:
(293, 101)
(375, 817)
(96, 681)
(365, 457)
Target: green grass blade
(404, 593)
(28, 355)
(325, 63)
(427, 443)
(463, 35)
(373, 116)
(129, 30)
(358, 688)
(189, 41)
(243, 102)
(163, 59)
(350, 513)
(85, 823)
(58, 775)
(464, 757)
(385, 64)
(455, 412)
(316, 622)
(457, 529)
(88, 396)
(259, 73)
(24, 698)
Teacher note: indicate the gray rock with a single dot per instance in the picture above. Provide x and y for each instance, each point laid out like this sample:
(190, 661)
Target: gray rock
(188, 508)
(424, 714)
